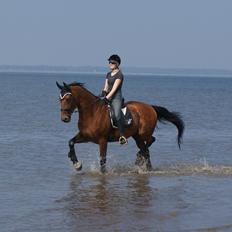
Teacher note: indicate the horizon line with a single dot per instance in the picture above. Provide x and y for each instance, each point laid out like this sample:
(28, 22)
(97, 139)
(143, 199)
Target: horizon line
(104, 67)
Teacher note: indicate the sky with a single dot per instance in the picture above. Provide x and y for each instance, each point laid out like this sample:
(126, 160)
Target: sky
(148, 33)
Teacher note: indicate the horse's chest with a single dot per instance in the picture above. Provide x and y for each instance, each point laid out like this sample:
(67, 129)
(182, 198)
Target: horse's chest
(87, 128)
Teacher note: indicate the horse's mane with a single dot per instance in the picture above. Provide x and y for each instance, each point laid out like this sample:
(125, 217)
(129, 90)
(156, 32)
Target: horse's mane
(82, 85)
(77, 84)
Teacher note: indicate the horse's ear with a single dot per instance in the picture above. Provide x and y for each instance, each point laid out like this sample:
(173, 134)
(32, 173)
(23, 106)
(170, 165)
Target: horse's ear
(66, 86)
(59, 86)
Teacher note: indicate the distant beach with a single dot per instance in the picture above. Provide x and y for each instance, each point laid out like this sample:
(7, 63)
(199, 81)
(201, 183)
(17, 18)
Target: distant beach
(127, 70)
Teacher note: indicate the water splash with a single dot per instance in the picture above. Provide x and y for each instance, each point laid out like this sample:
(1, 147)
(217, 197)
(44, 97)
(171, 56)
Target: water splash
(194, 169)
(202, 168)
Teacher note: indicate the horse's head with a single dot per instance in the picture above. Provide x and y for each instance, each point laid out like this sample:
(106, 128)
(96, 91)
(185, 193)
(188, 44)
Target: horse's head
(67, 102)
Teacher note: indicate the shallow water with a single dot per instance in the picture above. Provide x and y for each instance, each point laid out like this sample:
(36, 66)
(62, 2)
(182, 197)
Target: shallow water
(188, 190)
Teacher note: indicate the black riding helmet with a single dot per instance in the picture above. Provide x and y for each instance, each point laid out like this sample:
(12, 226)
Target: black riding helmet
(115, 59)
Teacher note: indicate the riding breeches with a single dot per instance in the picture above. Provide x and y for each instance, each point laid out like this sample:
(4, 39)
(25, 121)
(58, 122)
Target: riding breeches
(116, 103)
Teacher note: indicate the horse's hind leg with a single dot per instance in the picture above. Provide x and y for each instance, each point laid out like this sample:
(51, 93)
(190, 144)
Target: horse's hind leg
(144, 152)
(150, 141)
(143, 156)
(103, 150)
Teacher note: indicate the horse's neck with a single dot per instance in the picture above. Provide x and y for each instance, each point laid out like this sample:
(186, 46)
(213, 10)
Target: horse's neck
(89, 109)
(84, 100)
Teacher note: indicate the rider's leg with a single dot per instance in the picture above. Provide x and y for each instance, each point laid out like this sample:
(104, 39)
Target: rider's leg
(117, 105)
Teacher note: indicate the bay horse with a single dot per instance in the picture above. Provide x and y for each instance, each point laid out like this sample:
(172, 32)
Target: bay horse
(95, 126)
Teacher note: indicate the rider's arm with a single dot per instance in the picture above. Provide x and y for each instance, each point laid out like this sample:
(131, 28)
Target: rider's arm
(106, 86)
(114, 89)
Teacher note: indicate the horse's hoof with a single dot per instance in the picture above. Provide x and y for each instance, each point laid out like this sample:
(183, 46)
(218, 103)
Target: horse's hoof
(78, 165)
(103, 168)
(139, 160)
(149, 166)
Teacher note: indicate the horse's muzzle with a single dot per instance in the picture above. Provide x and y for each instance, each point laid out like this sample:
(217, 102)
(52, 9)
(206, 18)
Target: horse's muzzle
(66, 118)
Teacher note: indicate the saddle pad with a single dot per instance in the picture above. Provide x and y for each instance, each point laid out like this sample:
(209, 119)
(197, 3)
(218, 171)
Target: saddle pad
(126, 114)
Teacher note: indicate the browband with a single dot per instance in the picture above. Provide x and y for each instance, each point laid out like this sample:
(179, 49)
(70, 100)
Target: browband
(62, 97)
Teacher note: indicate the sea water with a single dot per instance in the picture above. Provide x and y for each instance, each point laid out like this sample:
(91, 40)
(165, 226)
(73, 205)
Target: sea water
(188, 190)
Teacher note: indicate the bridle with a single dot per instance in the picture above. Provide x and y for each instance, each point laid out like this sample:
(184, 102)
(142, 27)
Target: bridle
(66, 110)
(75, 110)
(62, 97)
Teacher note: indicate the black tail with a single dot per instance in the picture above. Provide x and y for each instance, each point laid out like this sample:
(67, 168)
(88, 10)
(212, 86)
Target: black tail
(173, 117)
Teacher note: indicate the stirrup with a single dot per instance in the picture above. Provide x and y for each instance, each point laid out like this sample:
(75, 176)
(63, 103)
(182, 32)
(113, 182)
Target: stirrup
(122, 140)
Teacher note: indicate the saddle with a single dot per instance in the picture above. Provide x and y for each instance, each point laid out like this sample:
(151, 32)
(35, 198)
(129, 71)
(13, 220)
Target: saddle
(126, 114)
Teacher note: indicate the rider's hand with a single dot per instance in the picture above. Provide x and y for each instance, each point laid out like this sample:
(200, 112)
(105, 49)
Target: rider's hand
(107, 101)
(102, 94)
(104, 100)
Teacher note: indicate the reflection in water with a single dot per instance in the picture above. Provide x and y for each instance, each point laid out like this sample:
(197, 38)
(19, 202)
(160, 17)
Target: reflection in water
(141, 194)
(122, 203)
(142, 203)
(104, 202)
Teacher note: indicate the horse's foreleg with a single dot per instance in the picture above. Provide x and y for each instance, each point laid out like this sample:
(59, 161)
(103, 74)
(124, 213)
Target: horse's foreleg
(72, 154)
(103, 150)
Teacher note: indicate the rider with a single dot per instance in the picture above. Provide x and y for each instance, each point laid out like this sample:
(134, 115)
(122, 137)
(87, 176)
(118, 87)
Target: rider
(112, 92)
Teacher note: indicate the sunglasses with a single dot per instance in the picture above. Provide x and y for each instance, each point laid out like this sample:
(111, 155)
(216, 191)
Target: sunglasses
(112, 62)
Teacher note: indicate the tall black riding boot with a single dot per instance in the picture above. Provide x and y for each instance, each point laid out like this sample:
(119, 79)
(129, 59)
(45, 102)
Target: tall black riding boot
(122, 139)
